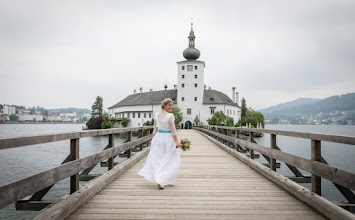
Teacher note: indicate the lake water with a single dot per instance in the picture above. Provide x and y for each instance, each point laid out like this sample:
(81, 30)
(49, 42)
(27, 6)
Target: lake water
(21, 162)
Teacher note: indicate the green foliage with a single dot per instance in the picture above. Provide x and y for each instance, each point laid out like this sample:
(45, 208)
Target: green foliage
(97, 107)
(251, 117)
(244, 107)
(219, 118)
(177, 113)
(125, 122)
(13, 117)
(95, 123)
(149, 123)
(107, 121)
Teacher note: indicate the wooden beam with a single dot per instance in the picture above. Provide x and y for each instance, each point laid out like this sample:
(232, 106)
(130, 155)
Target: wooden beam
(273, 146)
(316, 156)
(6, 143)
(74, 155)
(111, 143)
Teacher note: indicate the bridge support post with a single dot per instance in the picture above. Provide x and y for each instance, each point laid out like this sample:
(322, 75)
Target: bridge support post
(251, 152)
(74, 155)
(110, 144)
(273, 146)
(129, 151)
(316, 156)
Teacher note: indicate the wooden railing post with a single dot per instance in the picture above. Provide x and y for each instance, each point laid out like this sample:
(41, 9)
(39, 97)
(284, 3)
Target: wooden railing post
(111, 139)
(316, 156)
(273, 146)
(251, 152)
(74, 155)
(129, 151)
(228, 134)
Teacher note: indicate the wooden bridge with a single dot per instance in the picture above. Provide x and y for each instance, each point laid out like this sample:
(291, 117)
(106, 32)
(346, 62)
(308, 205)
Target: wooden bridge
(217, 180)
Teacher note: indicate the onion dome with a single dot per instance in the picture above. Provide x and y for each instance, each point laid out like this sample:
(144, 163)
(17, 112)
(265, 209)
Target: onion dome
(191, 53)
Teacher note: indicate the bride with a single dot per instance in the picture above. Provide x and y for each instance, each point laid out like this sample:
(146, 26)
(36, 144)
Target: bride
(163, 161)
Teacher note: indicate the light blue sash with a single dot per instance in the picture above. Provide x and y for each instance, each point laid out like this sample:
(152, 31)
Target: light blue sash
(164, 131)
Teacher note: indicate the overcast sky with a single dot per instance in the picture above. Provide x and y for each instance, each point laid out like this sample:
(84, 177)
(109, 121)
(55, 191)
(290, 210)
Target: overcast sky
(66, 53)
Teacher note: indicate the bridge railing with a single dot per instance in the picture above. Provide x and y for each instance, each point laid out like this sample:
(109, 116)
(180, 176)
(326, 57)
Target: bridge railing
(317, 165)
(36, 186)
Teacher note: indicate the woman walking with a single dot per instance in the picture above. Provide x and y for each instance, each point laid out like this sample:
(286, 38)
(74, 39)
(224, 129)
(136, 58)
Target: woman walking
(163, 161)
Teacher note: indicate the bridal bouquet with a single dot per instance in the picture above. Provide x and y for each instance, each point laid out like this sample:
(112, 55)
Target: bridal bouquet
(185, 144)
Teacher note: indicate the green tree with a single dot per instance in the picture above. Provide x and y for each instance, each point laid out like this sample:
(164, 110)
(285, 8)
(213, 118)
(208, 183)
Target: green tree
(97, 107)
(13, 117)
(125, 122)
(251, 117)
(107, 121)
(244, 108)
(149, 123)
(219, 118)
(177, 113)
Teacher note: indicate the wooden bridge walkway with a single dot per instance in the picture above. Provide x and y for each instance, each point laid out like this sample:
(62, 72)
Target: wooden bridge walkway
(211, 184)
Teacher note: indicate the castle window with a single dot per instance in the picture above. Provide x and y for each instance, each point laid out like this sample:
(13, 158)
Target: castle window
(212, 110)
(195, 67)
(183, 67)
(128, 115)
(183, 76)
(195, 76)
(139, 115)
(227, 111)
(133, 115)
(195, 84)
(195, 98)
(145, 115)
(188, 111)
(150, 114)
(183, 85)
(233, 112)
(182, 98)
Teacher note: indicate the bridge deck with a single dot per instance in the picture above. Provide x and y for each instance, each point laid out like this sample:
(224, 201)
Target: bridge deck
(211, 184)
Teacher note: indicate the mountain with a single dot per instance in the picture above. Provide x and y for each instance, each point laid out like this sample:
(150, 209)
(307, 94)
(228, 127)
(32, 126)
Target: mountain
(287, 105)
(345, 102)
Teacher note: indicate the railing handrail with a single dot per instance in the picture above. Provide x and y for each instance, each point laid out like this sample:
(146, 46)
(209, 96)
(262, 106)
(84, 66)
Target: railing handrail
(313, 136)
(18, 189)
(21, 141)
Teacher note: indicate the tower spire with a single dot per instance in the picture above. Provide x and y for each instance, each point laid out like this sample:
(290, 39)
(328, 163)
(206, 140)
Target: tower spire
(191, 53)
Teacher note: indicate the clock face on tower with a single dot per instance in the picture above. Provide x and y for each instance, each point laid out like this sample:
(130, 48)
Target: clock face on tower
(189, 67)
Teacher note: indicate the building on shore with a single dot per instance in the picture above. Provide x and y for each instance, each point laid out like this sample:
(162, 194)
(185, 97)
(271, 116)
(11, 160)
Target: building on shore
(29, 117)
(196, 102)
(8, 110)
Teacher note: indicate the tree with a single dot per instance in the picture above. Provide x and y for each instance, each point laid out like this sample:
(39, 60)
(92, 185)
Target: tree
(125, 122)
(107, 121)
(251, 117)
(219, 118)
(149, 123)
(97, 107)
(244, 108)
(13, 117)
(177, 114)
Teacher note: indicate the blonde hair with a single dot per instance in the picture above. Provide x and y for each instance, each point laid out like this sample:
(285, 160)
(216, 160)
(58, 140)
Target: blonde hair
(165, 102)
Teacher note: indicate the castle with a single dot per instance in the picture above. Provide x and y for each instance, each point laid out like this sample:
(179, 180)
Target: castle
(190, 94)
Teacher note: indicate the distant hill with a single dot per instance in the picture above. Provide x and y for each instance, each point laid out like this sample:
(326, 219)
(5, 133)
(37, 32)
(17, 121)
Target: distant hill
(345, 102)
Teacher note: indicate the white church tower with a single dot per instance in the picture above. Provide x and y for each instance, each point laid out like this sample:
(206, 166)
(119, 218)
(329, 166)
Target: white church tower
(190, 83)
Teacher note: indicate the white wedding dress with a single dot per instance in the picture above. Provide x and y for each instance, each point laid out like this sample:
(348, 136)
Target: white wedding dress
(163, 161)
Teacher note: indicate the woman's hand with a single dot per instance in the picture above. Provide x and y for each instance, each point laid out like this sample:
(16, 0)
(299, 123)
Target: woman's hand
(179, 144)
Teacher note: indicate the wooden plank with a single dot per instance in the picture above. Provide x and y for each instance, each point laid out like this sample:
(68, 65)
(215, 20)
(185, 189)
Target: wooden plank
(223, 188)
(273, 146)
(111, 143)
(319, 203)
